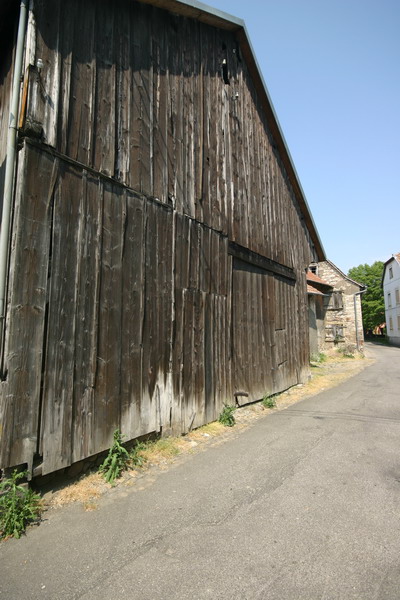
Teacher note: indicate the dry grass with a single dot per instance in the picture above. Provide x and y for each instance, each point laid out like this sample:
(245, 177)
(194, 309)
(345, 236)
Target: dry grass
(87, 489)
(89, 506)
(206, 431)
(162, 450)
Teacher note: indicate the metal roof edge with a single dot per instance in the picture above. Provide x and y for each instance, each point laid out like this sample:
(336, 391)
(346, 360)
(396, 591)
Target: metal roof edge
(200, 11)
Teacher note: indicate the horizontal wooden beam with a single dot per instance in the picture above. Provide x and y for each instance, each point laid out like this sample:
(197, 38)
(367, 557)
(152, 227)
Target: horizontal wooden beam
(257, 260)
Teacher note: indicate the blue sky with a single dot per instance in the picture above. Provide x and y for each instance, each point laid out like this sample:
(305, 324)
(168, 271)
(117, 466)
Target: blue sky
(332, 69)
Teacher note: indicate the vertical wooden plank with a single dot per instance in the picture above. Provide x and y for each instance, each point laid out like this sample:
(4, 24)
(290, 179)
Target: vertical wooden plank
(157, 316)
(213, 120)
(205, 38)
(189, 35)
(60, 348)
(178, 120)
(177, 332)
(19, 403)
(164, 312)
(135, 124)
(229, 328)
(87, 317)
(184, 257)
(124, 75)
(160, 104)
(205, 260)
(150, 334)
(209, 362)
(198, 99)
(104, 122)
(142, 94)
(108, 376)
(188, 367)
(66, 38)
(79, 136)
(195, 249)
(45, 109)
(198, 359)
(172, 84)
(132, 307)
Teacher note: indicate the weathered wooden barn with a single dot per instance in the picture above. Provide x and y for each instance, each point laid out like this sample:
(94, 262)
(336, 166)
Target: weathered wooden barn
(159, 235)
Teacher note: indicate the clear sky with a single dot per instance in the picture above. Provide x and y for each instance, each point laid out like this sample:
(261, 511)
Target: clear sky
(332, 68)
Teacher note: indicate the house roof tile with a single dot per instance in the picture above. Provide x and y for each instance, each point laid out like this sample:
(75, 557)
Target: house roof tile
(315, 279)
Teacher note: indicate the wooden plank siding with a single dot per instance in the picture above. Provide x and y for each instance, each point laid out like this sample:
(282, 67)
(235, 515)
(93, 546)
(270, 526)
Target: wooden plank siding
(146, 103)
(158, 249)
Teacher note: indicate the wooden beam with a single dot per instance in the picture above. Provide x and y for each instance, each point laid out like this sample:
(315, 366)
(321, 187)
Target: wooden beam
(260, 261)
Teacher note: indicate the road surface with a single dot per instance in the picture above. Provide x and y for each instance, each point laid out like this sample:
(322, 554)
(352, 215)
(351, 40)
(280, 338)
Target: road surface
(304, 505)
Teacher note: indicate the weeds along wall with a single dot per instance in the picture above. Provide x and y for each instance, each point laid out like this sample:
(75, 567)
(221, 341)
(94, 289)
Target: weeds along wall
(159, 243)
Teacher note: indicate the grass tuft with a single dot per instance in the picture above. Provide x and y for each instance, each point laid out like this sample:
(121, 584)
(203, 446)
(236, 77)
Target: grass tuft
(269, 402)
(318, 357)
(18, 506)
(226, 417)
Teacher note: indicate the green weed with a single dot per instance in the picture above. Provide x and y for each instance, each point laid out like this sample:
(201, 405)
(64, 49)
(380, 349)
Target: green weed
(318, 357)
(18, 506)
(226, 417)
(116, 461)
(269, 402)
(347, 351)
(137, 458)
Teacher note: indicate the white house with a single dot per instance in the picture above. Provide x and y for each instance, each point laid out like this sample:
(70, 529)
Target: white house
(391, 291)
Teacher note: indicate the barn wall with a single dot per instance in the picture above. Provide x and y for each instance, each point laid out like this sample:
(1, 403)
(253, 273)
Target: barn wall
(146, 103)
(157, 234)
(121, 322)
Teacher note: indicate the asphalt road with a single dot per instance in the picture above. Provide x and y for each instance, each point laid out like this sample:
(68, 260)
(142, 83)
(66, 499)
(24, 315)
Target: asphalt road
(304, 505)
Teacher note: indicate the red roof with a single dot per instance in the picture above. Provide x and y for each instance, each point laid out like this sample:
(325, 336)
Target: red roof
(315, 279)
(313, 290)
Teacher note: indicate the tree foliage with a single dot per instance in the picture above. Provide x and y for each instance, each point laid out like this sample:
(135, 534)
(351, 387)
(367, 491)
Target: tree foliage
(372, 302)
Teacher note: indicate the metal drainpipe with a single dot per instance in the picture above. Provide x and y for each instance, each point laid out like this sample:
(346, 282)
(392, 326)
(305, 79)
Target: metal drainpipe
(355, 315)
(10, 160)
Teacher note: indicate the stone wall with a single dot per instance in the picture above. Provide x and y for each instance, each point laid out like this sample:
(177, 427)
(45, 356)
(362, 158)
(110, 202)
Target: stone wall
(340, 316)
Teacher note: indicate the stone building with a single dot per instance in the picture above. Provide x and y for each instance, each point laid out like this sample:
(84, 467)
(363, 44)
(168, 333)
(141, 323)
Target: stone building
(334, 307)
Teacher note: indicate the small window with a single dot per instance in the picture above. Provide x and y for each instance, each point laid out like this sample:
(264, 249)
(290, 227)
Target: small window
(313, 269)
(334, 301)
(390, 323)
(398, 322)
(389, 299)
(397, 296)
(390, 272)
(337, 298)
(334, 333)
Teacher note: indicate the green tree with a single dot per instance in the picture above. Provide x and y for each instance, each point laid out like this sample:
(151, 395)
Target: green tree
(372, 302)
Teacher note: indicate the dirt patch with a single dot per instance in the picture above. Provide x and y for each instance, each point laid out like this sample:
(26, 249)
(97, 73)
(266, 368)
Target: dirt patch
(161, 454)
